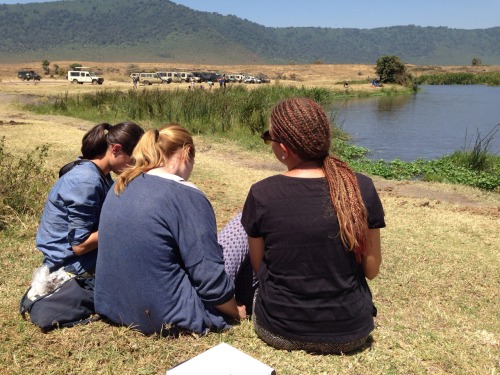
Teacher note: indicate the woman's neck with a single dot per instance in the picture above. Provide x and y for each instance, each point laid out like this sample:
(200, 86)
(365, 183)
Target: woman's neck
(103, 164)
(305, 169)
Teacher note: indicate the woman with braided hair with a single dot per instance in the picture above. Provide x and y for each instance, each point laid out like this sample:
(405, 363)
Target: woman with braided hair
(314, 237)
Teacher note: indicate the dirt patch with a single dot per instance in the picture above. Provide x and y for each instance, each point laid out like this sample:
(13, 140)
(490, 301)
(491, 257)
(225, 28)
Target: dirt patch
(431, 195)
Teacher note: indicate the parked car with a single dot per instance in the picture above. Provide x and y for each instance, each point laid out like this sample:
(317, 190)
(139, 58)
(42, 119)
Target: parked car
(150, 78)
(201, 76)
(28, 75)
(186, 76)
(170, 77)
(249, 79)
(234, 77)
(263, 79)
(84, 76)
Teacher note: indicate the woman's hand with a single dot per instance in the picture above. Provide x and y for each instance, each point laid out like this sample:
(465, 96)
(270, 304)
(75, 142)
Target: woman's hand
(230, 308)
(242, 311)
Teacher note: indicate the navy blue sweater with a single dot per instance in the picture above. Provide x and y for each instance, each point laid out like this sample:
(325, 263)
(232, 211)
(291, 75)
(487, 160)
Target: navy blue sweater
(159, 261)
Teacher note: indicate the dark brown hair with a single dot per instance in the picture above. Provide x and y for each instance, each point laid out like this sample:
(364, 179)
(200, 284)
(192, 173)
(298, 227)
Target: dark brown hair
(302, 125)
(95, 142)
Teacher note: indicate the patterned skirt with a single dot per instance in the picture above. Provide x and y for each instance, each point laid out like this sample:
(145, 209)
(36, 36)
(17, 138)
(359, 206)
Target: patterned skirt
(283, 343)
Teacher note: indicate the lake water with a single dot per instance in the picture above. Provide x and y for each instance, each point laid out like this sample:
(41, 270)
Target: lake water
(436, 121)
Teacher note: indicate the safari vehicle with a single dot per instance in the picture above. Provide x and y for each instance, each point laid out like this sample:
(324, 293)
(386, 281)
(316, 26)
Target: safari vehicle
(235, 77)
(28, 74)
(250, 79)
(170, 76)
(263, 79)
(205, 76)
(81, 76)
(186, 76)
(150, 78)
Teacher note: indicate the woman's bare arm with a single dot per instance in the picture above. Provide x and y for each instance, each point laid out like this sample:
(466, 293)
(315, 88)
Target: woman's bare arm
(256, 250)
(373, 257)
(90, 244)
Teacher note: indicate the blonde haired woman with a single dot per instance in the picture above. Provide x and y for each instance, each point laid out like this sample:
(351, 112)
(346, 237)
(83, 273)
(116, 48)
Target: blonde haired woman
(314, 238)
(160, 268)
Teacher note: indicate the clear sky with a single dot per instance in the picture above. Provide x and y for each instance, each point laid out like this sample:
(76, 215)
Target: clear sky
(359, 14)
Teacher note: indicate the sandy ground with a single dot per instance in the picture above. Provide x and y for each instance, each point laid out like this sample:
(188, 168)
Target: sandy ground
(14, 92)
(326, 75)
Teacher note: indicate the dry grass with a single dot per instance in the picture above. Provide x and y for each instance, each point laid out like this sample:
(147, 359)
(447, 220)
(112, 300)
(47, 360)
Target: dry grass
(437, 294)
(309, 75)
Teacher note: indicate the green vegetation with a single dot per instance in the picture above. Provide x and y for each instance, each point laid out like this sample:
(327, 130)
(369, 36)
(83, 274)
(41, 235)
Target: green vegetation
(450, 169)
(476, 61)
(20, 200)
(239, 114)
(473, 166)
(154, 30)
(391, 69)
(489, 78)
(235, 109)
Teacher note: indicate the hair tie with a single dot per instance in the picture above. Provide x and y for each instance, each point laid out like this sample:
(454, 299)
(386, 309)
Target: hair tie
(157, 135)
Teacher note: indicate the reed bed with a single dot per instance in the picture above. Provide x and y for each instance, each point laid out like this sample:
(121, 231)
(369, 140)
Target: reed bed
(202, 111)
(461, 78)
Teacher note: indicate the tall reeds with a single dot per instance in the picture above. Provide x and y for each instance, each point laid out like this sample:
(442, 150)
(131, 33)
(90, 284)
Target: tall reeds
(201, 111)
(490, 78)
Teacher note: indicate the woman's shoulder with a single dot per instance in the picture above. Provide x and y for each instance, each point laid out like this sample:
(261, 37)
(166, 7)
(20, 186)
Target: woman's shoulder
(363, 179)
(86, 173)
(268, 181)
(178, 188)
(290, 181)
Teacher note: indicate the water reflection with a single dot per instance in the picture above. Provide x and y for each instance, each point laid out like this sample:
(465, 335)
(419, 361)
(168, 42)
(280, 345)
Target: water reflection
(429, 124)
(392, 103)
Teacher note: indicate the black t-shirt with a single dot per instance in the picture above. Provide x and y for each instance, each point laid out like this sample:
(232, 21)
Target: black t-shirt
(310, 286)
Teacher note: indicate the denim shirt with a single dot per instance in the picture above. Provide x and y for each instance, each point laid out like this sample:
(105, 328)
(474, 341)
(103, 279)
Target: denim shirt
(70, 215)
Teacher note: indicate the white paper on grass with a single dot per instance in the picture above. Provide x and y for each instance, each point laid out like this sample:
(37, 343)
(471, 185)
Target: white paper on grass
(222, 359)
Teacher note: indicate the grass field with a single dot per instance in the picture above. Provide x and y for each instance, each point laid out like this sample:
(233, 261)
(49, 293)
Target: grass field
(437, 294)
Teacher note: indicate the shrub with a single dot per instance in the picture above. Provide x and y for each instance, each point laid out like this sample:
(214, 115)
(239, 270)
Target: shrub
(25, 183)
(476, 61)
(391, 69)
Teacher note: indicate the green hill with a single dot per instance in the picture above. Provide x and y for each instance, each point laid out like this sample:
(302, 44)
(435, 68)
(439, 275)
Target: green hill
(159, 30)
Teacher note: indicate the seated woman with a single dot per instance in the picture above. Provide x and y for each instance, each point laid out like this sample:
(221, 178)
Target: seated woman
(67, 235)
(314, 237)
(160, 268)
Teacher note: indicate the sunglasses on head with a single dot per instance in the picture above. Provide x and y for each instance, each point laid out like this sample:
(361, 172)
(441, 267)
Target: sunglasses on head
(267, 138)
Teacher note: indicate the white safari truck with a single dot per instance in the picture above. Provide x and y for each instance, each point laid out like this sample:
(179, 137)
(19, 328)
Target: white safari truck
(81, 75)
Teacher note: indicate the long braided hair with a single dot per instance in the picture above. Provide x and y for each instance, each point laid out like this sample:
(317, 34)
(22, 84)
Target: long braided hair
(302, 125)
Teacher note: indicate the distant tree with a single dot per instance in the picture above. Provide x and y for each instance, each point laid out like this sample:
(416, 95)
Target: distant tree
(476, 61)
(45, 67)
(74, 66)
(56, 69)
(390, 69)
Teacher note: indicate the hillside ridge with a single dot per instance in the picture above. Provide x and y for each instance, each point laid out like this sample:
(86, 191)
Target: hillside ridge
(160, 30)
